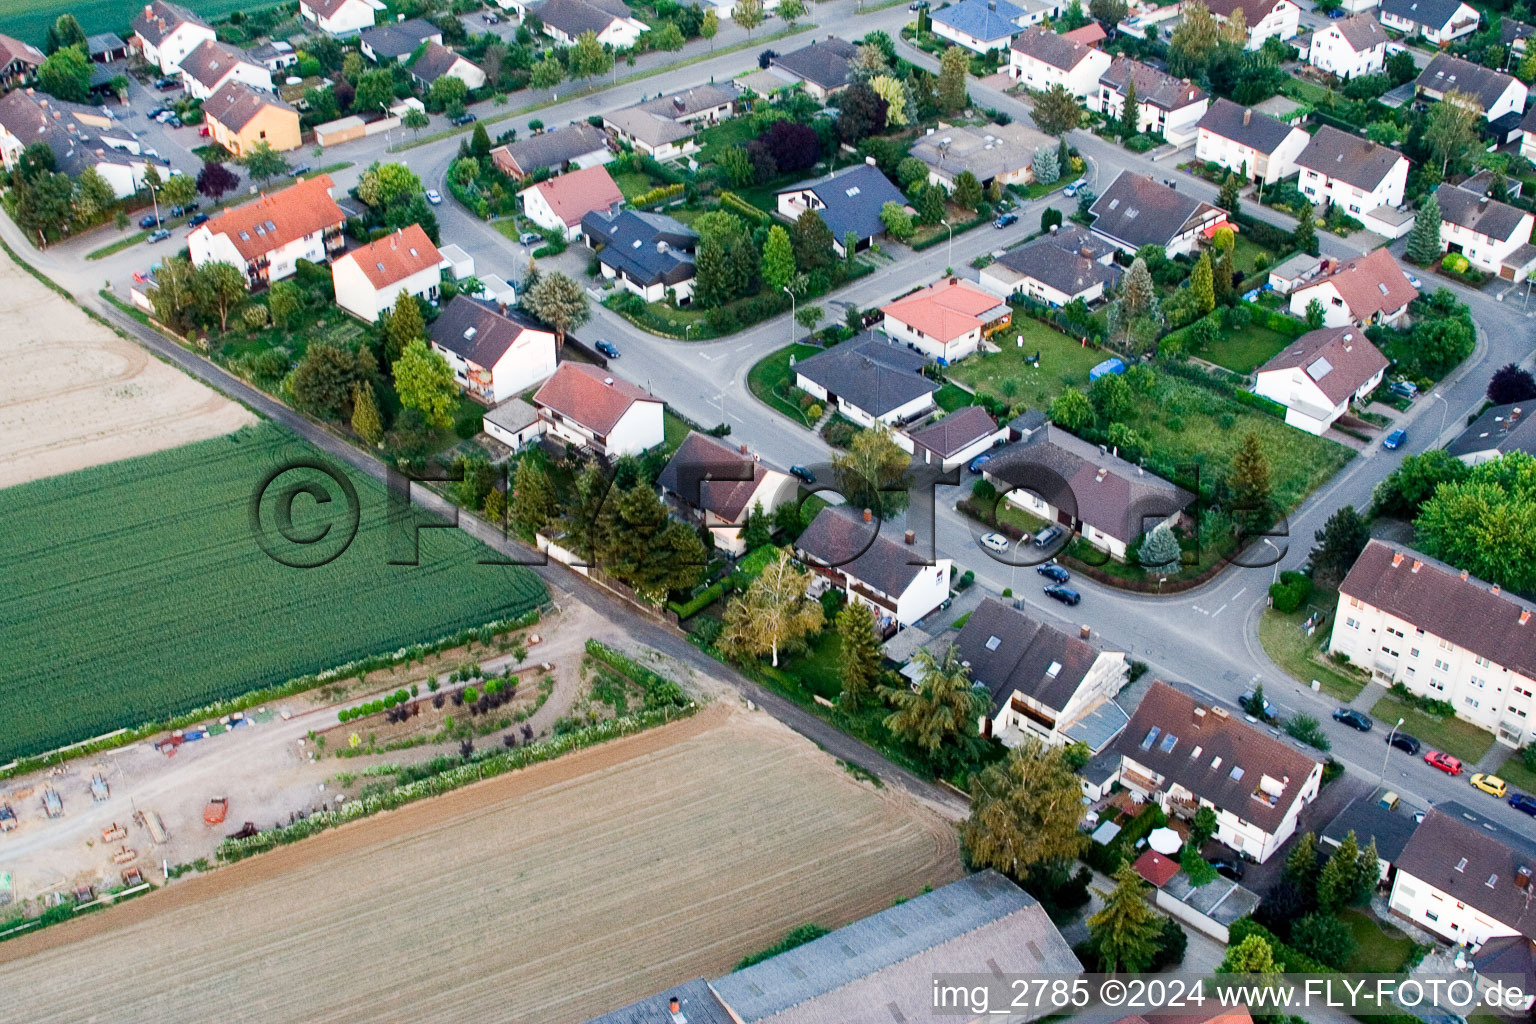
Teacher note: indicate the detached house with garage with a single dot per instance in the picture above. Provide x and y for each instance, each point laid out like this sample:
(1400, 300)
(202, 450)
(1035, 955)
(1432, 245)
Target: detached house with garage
(956, 438)
(341, 17)
(1136, 211)
(895, 580)
(1058, 268)
(946, 321)
(585, 406)
(213, 63)
(1408, 618)
(1266, 19)
(1317, 376)
(495, 354)
(80, 136)
(1494, 237)
(394, 41)
(575, 146)
(1003, 153)
(240, 118)
(1045, 684)
(268, 236)
(1494, 95)
(665, 127)
(1166, 106)
(1254, 146)
(1040, 58)
(1349, 48)
(1438, 21)
(437, 61)
(610, 20)
(1365, 290)
(649, 254)
(821, 68)
(1352, 173)
(370, 279)
(849, 202)
(560, 203)
(164, 33)
(718, 485)
(869, 379)
(980, 25)
(1499, 430)
(1186, 755)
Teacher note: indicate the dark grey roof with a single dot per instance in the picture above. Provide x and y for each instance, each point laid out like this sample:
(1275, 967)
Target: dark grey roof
(1027, 422)
(951, 434)
(1459, 852)
(888, 960)
(1511, 30)
(556, 147)
(1008, 651)
(838, 537)
(1367, 819)
(986, 20)
(852, 199)
(436, 60)
(1362, 32)
(871, 374)
(36, 117)
(1156, 87)
(1502, 428)
(159, 18)
(697, 1004)
(1434, 13)
(512, 415)
(1445, 73)
(210, 60)
(1138, 211)
(711, 475)
(573, 17)
(1046, 46)
(476, 330)
(398, 38)
(823, 63)
(650, 248)
(1246, 126)
(1479, 213)
(105, 42)
(1067, 261)
(1349, 158)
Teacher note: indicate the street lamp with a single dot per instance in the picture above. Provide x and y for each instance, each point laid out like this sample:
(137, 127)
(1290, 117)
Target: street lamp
(1276, 575)
(791, 313)
(1445, 408)
(951, 230)
(1388, 754)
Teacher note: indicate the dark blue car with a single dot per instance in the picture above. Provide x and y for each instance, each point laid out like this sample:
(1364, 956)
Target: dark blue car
(1054, 572)
(1395, 439)
(1521, 802)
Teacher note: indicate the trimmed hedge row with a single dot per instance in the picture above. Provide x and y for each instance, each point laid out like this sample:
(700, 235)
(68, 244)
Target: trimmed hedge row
(1109, 856)
(657, 195)
(736, 204)
(703, 599)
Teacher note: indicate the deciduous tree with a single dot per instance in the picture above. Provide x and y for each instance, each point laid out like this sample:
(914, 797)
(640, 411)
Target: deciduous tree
(264, 163)
(897, 221)
(1414, 481)
(559, 301)
(424, 381)
(215, 180)
(870, 472)
(1511, 383)
(373, 90)
(547, 74)
(894, 92)
(1486, 522)
(1071, 410)
(748, 14)
(1315, 315)
(178, 190)
(66, 75)
(588, 58)
(791, 11)
(383, 184)
(861, 113)
(403, 325)
(220, 290)
(171, 295)
(1450, 130)
(774, 614)
(1025, 811)
(710, 27)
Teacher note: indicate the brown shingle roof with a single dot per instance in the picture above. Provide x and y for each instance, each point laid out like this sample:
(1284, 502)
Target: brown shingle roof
(1009, 651)
(1461, 859)
(1349, 158)
(1370, 284)
(1057, 51)
(701, 455)
(235, 104)
(436, 60)
(1478, 213)
(1362, 32)
(956, 432)
(395, 257)
(325, 8)
(1156, 87)
(274, 220)
(1437, 600)
(19, 52)
(158, 19)
(1254, 11)
(1339, 360)
(1234, 758)
(589, 396)
(210, 60)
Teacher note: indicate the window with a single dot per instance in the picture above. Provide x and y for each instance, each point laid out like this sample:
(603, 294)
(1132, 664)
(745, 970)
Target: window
(1442, 665)
(1413, 652)
(1352, 623)
(1470, 702)
(1484, 662)
(1395, 631)
(1437, 684)
(1446, 645)
(1461, 865)
(1431, 915)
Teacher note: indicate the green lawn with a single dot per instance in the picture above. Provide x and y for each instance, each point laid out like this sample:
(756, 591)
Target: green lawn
(675, 427)
(1245, 350)
(1379, 947)
(820, 667)
(1452, 735)
(29, 19)
(716, 139)
(952, 396)
(1517, 774)
(772, 376)
(126, 242)
(1063, 362)
(1299, 654)
(633, 183)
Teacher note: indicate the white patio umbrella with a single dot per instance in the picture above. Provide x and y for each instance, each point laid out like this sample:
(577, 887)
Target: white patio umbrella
(1165, 841)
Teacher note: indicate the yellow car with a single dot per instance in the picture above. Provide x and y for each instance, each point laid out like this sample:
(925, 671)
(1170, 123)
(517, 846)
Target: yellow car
(1490, 784)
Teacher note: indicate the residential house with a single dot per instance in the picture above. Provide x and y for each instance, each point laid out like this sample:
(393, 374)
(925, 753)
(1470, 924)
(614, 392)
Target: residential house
(946, 321)
(212, 63)
(1256, 146)
(1349, 48)
(979, 25)
(1037, 12)
(1494, 237)
(515, 423)
(341, 17)
(1186, 755)
(368, 280)
(1512, 36)
(1407, 618)
(1365, 290)
(19, 62)
(1040, 59)
(1293, 272)
(1438, 21)
(1136, 210)
(1495, 95)
(394, 41)
(1528, 135)
(103, 48)
(495, 353)
(1045, 684)
(1317, 376)
(1500, 429)
(1466, 883)
(560, 203)
(437, 61)
(956, 438)
(576, 145)
(1166, 106)
(649, 254)
(584, 406)
(1063, 480)
(1266, 19)
(1065, 266)
(869, 379)
(1091, 34)
(719, 486)
(239, 118)
(1004, 153)
(894, 580)
(849, 202)
(268, 236)
(821, 68)
(274, 55)
(164, 33)
(610, 20)
(665, 127)
(80, 136)
(1352, 173)
(1390, 827)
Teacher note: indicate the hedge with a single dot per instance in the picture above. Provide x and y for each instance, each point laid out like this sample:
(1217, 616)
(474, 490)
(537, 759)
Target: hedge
(660, 691)
(929, 243)
(656, 195)
(1108, 857)
(736, 204)
(698, 602)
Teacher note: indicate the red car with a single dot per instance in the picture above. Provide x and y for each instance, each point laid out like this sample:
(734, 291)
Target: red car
(1445, 762)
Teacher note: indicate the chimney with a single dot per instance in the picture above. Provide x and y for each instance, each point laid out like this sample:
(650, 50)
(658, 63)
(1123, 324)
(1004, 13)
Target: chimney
(1525, 617)
(149, 12)
(1514, 414)
(1397, 559)
(911, 538)
(502, 308)
(743, 449)
(1199, 716)
(1464, 574)
(954, 281)
(869, 516)
(870, 161)
(1247, 116)
(1084, 632)
(1496, 588)
(673, 1005)
(1417, 565)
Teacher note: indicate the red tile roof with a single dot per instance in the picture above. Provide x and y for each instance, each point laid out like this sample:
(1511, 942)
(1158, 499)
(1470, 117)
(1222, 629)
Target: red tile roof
(945, 311)
(396, 257)
(572, 196)
(1370, 284)
(1156, 868)
(589, 396)
(1091, 34)
(275, 220)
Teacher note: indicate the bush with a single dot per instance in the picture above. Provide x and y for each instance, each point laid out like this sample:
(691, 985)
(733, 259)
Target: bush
(1428, 705)
(656, 195)
(1141, 143)
(1307, 729)
(1290, 592)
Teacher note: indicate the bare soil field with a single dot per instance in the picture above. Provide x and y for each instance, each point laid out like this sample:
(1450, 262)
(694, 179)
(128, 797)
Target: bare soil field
(74, 394)
(548, 895)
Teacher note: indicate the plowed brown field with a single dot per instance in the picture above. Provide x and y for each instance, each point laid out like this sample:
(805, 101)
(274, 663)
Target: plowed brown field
(549, 895)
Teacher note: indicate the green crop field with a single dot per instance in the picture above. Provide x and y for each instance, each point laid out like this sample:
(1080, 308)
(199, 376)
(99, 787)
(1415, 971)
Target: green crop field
(137, 590)
(29, 19)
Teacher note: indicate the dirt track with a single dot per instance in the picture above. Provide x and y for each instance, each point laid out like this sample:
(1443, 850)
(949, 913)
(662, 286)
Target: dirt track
(74, 394)
(545, 896)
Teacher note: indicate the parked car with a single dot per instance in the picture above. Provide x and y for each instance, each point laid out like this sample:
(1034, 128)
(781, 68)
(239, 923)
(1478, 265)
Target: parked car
(198, 221)
(1048, 536)
(434, 197)
(1070, 190)
(1354, 719)
(464, 118)
(1228, 867)
(1246, 703)
(1402, 741)
(917, 5)
(607, 349)
(1066, 595)
(1388, 801)
(168, 84)
(979, 461)
(802, 474)
(1521, 802)
(173, 121)
(181, 211)
(1005, 220)
(1405, 388)
(490, 18)
(155, 112)
(1395, 439)
(1053, 572)
(159, 236)
(1490, 784)
(530, 238)
(301, 170)
(149, 220)
(1337, 13)
(1414, 281)
(1445, 762)
(995, 541)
